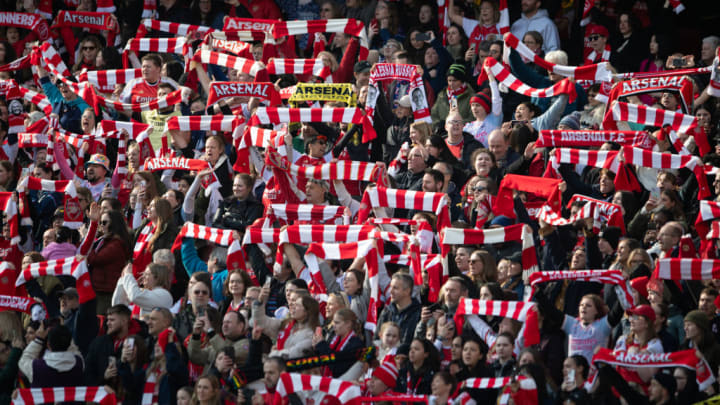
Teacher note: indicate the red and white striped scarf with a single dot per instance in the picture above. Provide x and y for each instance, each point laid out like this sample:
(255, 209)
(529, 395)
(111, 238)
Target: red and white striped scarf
(600, 213)
(592, 55)
(261, 137)
(105, 80)
(223, 237)
(406, 199)
(39, 99)
(709, 210)
(354, 115)
(333, 251)
(657, 160)
(53, 60)
(687, 269)
(150, 392)
(431, 263)
(570, 138)
(28, 21)
(586, 17)
(384, 72)
(222, 90)
(347, 25)
(149, 9)
(503, 75)
(180, 30)
(181, 163)
(340, 170)
(486, 383)
(596, 158)
(220, 123)
(677, 6)
(612, 277)
(32, 140)
(29, 396)
(597, 72)
(521, 311)
(345, 391)
(243, 65)
(308, 67)
(258, 235)
(95, 100)
(17, 64)
(178, 46)
(141, 256)
(714, 232)
(521, 232)
(226, 41)
(605, 212)
(66, 187)
(306, 212)
(69, 266)
(252, 29)
(138, 131)
(105, 6)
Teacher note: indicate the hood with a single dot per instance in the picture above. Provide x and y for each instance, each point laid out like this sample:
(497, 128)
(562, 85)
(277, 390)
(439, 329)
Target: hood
(59, 250)
(540, 14)
(60, 361)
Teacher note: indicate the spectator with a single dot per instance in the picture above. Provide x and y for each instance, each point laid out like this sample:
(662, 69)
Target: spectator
(403, 309)
(534, 18)
(59, 367)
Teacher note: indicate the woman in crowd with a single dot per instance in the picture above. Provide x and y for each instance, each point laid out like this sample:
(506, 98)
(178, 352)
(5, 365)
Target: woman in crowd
(423, 361)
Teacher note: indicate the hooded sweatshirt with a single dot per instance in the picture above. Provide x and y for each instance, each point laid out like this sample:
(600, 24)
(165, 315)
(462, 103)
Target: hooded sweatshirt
(54, 369)
(541, 23)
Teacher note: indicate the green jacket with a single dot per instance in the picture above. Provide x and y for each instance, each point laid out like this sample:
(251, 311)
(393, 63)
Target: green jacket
(441, 108)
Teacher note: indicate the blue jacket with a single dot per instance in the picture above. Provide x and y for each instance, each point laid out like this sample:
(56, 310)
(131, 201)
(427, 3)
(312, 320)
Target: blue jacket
(68, 111)
(193, 263)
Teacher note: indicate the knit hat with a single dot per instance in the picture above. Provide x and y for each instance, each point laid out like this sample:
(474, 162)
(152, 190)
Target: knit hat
(457, 71)
(571, 121)
(667, 381)
(640, 284)
(612, 235)
(482, 99)
(699, 318)
(656, 286)
(163, 339)
(387, 372)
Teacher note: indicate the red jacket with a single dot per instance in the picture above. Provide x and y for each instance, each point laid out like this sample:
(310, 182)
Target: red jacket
(106, 261)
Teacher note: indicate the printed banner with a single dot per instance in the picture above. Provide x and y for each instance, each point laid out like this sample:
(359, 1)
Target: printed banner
(324, 92)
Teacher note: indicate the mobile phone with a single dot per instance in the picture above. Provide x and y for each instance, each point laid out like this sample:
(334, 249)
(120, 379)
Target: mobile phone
(143, 184)
(112, 360)
(422, 37)
(130, 342)
(517, 122)
(434, 307)
(678, 62)
(570, 379)
(201, 311)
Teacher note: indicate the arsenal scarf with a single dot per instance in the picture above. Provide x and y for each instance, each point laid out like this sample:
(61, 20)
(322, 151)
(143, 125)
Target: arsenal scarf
(345, 391)
(521, 232)
(597, 72)
(141, 255)
(72, 216)
(523, 312)
(223, 237)
(15, 303)
(9, 207)
(224, 41)
(538, 186)
(657, 160)
(503, 75)
(17, 64)
(69, 266)
(53, 395)
(354, 115)
(181, 163)
(307, 67)
(347, 25)
(94, 100)
(99, 22)
(612, 277)
(105, 80)
(591, 56)
(28, 21)
(30, 140)
(180, 30)
(687, 269)
(569, 138)
(383, 72)
(305, 212)
(247, 66)
(254, 29)
(654, 84)
(684, 358)
(222, 90)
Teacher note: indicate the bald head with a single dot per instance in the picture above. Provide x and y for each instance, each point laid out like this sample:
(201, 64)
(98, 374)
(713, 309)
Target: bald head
(497, 144)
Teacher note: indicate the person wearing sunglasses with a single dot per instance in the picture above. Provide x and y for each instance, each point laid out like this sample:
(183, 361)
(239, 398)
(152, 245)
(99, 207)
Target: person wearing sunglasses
(597, 48)
(88, 50)
(108, 255)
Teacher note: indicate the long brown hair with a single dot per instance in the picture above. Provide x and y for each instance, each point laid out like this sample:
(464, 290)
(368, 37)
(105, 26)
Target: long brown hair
(164, 214)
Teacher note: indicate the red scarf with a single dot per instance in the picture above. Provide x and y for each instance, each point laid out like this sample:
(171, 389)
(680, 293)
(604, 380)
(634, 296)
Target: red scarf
(337, 345)
(591, 56)
(284, 334)
(456, 93)
(141, 256)
(150, 391)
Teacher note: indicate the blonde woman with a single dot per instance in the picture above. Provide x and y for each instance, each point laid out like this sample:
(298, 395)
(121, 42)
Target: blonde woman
(154, 293)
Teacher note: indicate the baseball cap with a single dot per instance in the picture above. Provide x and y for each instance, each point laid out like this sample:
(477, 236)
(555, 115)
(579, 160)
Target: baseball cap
(643, 310)
(596, 29)
(362, 67)
(404, 101)
(69, 292)
(99, 159)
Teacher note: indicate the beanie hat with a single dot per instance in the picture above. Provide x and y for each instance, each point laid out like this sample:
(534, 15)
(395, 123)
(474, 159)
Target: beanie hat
(667, 381)
(699, 318)
(571, 121)
(640, 284)
(387, 372)
(612, 235)
(457, 71)
(482, 99)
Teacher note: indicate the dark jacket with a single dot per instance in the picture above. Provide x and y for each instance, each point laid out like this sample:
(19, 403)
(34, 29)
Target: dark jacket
(407, 319)
(237, 214)
(338, 369)
(407, 180)
(83, 325)
(96, 360)
(419, 383)
(175, 378)
(106, 261)
(8, 376)
(397, 134)
(164, 241)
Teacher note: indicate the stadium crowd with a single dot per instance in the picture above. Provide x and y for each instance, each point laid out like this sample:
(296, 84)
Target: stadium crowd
(271, 202)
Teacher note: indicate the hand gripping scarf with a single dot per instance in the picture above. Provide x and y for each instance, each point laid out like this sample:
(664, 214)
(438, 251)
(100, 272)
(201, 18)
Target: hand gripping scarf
(256, 137)
(405, 199)
(598, 72)
(222, 90)
(340, 170)
(222, 237)
(605, 212)
(180, 30)
(181, 163)
(15, 303)
(247, 66)
(96, 21)
(28, 21)
(94, 100)
(645, 158)
(503, 75)
(521, 232)
(347, 25)
(307, 67)
(69, 266)
(596, 158)
(521, 311)
(540, 187)
(30, 396)
(383, 72)
(178, 46)
(226, 42)
(658, 118)
(340, 251)
(354, 115)
(305, 213)
(345, 391)
(653, 84)
(612, 277)
(573, 139)
(684, 358)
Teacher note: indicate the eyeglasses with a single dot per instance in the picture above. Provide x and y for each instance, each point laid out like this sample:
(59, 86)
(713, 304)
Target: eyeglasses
(201, 292)
(593, 37)
(88, 48)
(479, 189)
(455, 122)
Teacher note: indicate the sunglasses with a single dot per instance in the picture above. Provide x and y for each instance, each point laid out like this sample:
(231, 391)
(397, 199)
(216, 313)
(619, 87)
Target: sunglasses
(594, 37)
(88, 48)
(201, 292)
(104, 223)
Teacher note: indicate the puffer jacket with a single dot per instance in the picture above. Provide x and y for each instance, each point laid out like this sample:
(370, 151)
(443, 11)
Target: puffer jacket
(234, 213)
